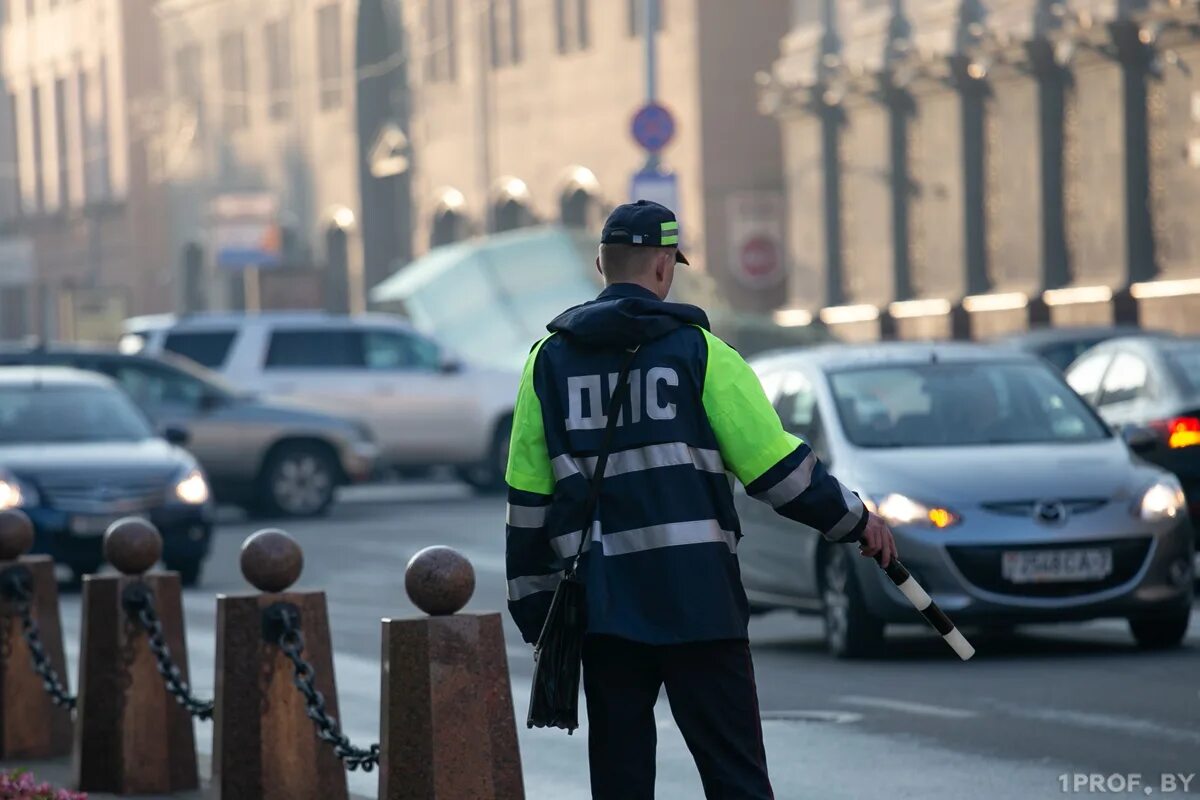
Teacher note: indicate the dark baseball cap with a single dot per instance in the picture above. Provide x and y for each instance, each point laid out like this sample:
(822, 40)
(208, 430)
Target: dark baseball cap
(645, 224)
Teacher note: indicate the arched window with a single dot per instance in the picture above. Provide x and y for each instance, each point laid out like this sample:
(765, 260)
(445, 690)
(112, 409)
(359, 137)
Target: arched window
(511, 207)
(449, 226)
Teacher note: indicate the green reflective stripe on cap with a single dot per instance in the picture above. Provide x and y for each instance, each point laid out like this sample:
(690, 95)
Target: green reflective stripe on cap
(529, 467)
(670, 240)
(670, 226)
(748, 430)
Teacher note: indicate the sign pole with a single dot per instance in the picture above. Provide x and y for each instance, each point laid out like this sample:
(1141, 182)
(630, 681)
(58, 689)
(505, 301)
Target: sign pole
(250, 290)
(650, 23)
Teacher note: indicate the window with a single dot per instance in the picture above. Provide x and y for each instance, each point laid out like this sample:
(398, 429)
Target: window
(278, 42)
(68, 413)
(637, 16)
(236, 111)
(1086, 375)
(1184, 362)
(315, 349)
(95, 125)
(60, 142)
(152, 387)
(1125, 380)
(189, 82)
(399, 350)
(504, 28)
(329, 55)
(206, 348)
(572, 20)
(441, 62)
(797, 407)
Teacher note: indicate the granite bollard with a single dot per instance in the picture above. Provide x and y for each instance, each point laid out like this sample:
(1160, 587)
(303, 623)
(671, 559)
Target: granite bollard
(31, 725)
(131, 737)
(265, 746)
(447, 729)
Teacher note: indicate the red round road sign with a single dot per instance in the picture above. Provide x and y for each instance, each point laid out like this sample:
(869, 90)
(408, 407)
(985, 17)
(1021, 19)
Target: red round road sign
(759, 263)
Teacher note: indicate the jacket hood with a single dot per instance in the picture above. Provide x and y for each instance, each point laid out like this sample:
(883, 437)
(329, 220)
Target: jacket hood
(625, 315)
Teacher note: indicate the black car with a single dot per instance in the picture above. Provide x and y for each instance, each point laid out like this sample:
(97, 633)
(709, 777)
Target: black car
(76, 454)
(1150, 388)
(1061, 346)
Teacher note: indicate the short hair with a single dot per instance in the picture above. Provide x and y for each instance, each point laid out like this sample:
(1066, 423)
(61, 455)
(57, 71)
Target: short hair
(622, 262)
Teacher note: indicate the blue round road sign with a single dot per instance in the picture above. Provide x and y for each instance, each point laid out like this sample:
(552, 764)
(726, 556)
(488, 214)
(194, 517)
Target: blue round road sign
(653, 127)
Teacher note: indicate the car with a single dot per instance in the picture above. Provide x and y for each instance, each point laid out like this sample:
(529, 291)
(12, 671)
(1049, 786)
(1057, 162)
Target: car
(269, 458)
(1061, 346)
(1010, 500)
(1149, 389)
(76, 454)
(425, 406)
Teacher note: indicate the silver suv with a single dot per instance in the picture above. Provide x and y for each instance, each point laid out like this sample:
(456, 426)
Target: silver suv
(267, 457)
(425, 406)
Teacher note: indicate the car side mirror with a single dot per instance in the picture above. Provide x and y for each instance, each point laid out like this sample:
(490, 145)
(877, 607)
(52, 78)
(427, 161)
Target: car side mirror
(450, 365)
(1139, 439)
(176, 435)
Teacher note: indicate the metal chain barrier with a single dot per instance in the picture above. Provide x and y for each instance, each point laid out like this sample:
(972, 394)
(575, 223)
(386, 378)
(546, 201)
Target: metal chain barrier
(138, 600)
(17, 586)
(291, 642)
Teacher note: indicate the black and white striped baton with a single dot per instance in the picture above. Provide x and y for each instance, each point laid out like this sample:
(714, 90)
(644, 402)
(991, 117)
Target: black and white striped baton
(921, 601)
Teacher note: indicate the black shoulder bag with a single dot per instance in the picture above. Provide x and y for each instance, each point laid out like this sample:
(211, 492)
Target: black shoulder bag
(554, 699)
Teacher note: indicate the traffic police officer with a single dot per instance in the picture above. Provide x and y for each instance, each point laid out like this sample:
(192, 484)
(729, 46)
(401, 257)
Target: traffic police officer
(665, 603)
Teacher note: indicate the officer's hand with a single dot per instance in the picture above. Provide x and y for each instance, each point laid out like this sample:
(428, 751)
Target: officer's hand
(877, 541)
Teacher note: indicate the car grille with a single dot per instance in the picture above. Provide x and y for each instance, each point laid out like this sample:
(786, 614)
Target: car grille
(1024, 508)
(981, 566)
(100, 496)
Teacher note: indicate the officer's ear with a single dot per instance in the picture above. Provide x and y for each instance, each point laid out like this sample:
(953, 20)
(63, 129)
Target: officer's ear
(598, 269)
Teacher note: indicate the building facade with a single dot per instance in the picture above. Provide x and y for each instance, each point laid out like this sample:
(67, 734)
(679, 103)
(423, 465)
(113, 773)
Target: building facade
(81, 218)
(975, 167)
(263, 98)
(521, 114)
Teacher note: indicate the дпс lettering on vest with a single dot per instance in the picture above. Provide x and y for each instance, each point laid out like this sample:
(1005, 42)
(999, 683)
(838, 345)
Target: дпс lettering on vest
(583, 391)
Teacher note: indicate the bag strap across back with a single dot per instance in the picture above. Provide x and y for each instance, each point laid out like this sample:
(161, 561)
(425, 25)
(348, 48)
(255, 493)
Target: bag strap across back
(613, 412)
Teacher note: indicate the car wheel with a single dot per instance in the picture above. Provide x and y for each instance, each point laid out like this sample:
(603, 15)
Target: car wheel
(850, 630)
(299, 480)
(489, 476)
(189, 571)
(1159, 633)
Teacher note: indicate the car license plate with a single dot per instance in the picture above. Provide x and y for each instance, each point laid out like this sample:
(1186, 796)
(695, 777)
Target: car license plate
(1042, 566)
(91, 525)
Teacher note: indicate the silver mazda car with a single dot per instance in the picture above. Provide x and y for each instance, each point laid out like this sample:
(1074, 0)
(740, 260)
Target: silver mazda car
(1011, 501)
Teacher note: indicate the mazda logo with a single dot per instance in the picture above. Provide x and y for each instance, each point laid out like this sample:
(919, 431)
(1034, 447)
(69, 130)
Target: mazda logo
(1050, 512)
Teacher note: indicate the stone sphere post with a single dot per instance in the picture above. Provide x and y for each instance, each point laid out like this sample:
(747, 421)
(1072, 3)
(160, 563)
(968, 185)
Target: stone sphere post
(31, 726)
(264, 744)
(447, 729)
(131, 736)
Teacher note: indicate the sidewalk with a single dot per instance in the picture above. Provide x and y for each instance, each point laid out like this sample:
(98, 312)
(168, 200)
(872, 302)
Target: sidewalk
(58, 773)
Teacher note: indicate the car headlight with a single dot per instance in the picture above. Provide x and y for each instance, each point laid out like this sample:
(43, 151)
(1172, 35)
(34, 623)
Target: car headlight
(192, 488)
(898, 509)
(1163, 500)
(16, 493)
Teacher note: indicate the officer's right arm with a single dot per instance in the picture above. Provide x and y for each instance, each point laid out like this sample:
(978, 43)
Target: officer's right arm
(532, 567)
(775, 466)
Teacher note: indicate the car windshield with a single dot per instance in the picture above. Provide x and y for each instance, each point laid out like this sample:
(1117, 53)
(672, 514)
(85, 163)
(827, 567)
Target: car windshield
(53, 414)
(938, 405)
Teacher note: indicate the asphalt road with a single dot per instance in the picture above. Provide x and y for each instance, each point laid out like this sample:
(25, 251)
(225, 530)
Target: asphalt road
(1032, 710)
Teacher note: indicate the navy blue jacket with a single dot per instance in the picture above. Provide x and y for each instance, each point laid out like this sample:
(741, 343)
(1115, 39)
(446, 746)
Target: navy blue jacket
(660, 562)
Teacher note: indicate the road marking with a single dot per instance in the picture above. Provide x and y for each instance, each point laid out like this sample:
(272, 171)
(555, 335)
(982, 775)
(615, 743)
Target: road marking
(836, 717)
(1105, 722)
(907, 707)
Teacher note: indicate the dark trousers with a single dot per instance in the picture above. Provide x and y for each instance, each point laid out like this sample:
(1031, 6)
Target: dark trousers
(710, 686)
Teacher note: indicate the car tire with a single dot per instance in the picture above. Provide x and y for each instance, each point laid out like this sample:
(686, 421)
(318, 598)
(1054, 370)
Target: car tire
(850, 629)
(298, 480)
(189, 570)
(489, 476)
(1160, 633)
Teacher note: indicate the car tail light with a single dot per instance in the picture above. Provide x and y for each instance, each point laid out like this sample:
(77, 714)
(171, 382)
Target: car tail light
(1179, 431)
